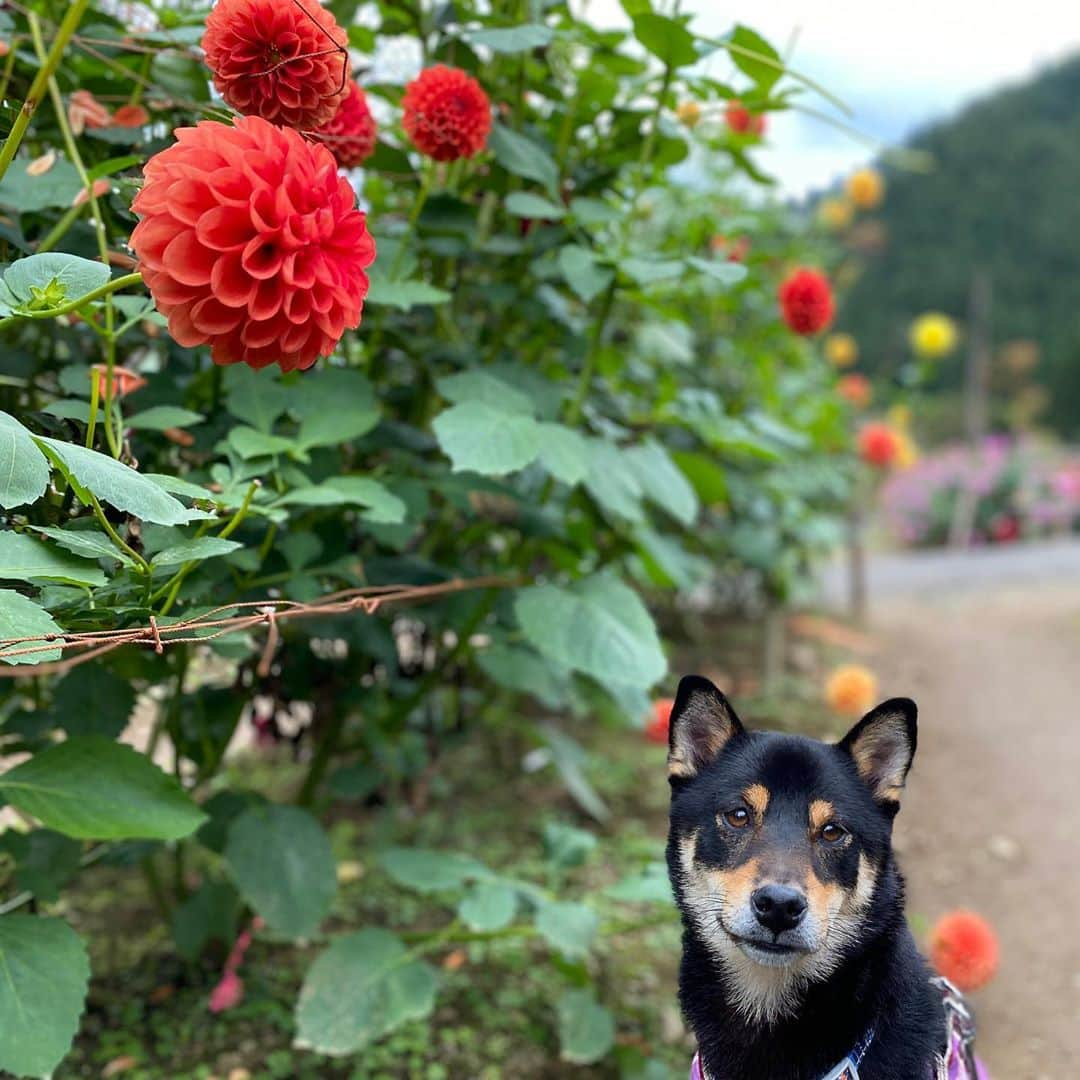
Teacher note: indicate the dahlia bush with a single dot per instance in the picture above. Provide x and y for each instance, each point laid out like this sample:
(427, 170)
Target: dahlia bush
(317, 484)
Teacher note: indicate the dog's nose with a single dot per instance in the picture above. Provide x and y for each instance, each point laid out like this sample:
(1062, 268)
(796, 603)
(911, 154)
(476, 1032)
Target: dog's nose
(778, 907)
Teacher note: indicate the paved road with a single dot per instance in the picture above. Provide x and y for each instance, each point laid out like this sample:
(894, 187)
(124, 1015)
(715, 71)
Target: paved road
(988, 644)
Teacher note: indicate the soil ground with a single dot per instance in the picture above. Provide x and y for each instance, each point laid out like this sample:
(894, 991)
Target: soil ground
(991, 820)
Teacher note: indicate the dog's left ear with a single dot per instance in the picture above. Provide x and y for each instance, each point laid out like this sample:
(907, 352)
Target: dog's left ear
(882, 745)
(702, 724)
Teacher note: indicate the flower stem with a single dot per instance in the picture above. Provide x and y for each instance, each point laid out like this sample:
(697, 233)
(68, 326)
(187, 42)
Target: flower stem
(116, 538)
(72, 18)
(95, 396)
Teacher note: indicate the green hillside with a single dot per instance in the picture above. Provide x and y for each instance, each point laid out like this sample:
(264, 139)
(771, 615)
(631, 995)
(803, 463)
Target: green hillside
(1005, 197)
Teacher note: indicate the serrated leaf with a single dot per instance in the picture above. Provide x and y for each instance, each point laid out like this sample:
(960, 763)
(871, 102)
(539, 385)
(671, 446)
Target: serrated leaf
(24, 469)
(282, 863)
(66, 277)
(648, 271)
(583, 273)
(334, 406)
(94, 789)
(564, 453)
(359, 989)
(255, 396)
(484, 439)
(722, 270)
(521, 156)
(405, 295)
(568, 927)
(22, 558)
(524, 204)
(669, 41)
(163, 417)
(115, 483)
(663, 481)
(513, 39)
(488, 905)
(613, 481)
(88, 543)
(426, 870)
(46, 972)
(586, 1028)
(523, 670)
(92, 700)
(250, 443)
(381, 506)
(475, 385)
(649, 887)
(196, 549)
(22, 618)
(598, 626)
(28, 194)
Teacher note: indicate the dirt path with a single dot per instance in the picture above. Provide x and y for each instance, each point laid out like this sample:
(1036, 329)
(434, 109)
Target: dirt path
(992, 815)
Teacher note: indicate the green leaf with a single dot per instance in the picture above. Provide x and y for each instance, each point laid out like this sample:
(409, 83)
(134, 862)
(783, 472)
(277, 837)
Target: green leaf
(28, 194)
(195, 550)
(45, 975)
(359, 989)
(723, 270)
(488, 905)
(513, 39)
(381, 505)
(707, 478)
(250, 443)
(24, 469)
(430, 871)
(586, 1028)
(53, 278)
(669, 41)
(523, 670)
(255, 396)
(94, 789)
(209, 914)
(569, 759)
(22, 618)
(115, 483)
(647, 271)
(567, 846)
(484, 439)
(568, 927)
(281, 861)
(22, 558)
(46, 863)
(613, 481)
(474, 385)
(519, 155)
(593, 212)
(583, 273)
(405, 295)
(524, 204)
(650, 887)
(163, 417)
(663, 481)
(92, 700)
(751, 56)
(334, 405)
(598, 626)
(564, 453)
(89, 543)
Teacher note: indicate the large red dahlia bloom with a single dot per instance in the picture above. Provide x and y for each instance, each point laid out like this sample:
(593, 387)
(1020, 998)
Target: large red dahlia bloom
(446, 113)
(806, 301)
(250, 242)
(284, 60)
(350, 134)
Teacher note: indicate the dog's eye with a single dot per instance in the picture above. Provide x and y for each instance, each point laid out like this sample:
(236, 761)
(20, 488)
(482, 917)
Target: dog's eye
(738, 818)
(832, 833)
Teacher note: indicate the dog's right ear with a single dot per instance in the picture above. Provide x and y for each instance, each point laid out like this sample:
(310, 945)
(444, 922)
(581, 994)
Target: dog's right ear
(702, 724)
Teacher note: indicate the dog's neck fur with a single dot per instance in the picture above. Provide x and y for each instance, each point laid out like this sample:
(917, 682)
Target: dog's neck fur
(884, 987)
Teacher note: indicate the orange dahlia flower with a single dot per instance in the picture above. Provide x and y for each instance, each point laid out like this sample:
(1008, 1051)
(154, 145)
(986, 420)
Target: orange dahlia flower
(350, 133)
(446, 113)
(879, 445)
(964, 948)
(657, 728)
(851, 690)
(250, 242)
(841, 350)
(284, 60)
(85, 111)
(856, 390)
(806, 301)
(130, 116)
(124, 380)
(742, 121)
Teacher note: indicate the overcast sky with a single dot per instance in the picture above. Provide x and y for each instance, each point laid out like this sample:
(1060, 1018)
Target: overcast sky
(898, 65)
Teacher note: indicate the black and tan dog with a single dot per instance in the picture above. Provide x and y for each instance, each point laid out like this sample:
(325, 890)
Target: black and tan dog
(797, 960)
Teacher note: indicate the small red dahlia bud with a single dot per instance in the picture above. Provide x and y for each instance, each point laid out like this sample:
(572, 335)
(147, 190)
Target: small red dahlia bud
(806, 301)
(446, 113)
(350, 133)
(250, 242)
(964, 948)
(742, 121)
(284, 60)
(879, 445)
(656, 730)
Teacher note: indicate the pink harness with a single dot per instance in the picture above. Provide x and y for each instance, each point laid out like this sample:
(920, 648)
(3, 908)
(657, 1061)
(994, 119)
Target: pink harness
(958, 1063)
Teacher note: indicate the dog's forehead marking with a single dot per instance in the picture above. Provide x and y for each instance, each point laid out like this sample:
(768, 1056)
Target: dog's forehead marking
(757, 798)
(821, 813)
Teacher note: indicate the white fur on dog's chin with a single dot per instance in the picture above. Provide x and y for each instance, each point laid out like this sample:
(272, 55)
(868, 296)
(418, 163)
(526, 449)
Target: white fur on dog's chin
(766, 992)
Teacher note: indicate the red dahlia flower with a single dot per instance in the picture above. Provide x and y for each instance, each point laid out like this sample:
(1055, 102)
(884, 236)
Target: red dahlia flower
(964, 948)
(284, 60)
(250, 242)
(806, 301)
(350, 133)
(446, 113)
(878, 445)
(855, 389)
(657, 728)
(742, 121)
